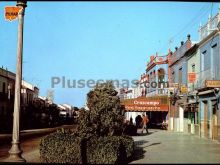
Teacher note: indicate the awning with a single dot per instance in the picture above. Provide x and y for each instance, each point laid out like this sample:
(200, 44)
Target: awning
(156, 103)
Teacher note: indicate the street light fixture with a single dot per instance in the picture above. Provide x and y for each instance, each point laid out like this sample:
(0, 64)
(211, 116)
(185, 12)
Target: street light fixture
(15, 151)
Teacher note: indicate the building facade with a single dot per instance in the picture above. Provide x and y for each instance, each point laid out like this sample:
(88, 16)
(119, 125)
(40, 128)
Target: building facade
(209, 77)
(178, 75)
(150, 95)
(196, 109)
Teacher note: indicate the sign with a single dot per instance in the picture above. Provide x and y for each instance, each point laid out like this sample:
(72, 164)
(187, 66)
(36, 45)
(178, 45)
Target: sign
(174, 85)
(150, 108)
(156, 103)
(184, 89)
(11, 12)
(191, 77)
(212, 83)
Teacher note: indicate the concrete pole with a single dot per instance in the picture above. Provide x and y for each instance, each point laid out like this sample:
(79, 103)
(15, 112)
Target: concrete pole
(15, 151)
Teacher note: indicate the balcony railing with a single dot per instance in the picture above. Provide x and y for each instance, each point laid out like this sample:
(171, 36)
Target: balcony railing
(208, 27)
(202, 77)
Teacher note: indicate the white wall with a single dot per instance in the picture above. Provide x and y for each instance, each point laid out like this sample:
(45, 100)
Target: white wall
(181, 124)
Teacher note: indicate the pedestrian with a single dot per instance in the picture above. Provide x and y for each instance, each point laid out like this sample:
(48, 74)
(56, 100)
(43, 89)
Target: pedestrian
(145, 123)
(131, 121)
(138, 121)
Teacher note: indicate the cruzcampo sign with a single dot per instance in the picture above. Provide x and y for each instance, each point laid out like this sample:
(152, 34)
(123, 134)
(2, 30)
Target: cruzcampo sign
(11, 12)
(156, 103)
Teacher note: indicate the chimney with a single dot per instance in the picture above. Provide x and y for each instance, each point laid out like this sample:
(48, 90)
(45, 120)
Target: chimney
(176, 48)
(188, 36)
(182, 43)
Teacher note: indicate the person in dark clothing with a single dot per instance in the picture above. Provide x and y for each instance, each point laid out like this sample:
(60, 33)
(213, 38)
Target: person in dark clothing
(138, 121)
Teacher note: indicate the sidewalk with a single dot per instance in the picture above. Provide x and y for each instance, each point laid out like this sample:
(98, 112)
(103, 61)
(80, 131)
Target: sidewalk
(162, 146)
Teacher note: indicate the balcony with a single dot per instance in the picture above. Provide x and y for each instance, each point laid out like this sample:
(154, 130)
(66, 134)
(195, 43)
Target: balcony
(158, 91)
(202, 76)
(206, 29)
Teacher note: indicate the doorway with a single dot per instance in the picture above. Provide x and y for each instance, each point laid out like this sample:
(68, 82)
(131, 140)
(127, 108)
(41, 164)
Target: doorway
(205, 119)
(214, 121)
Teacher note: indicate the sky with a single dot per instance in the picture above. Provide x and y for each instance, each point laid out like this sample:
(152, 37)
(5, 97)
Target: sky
(95, 40)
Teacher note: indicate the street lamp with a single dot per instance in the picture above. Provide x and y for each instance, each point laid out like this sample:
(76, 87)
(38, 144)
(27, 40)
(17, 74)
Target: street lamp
(15, 151)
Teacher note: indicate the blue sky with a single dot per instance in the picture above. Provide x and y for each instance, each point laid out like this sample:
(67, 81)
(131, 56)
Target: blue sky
(95, 40)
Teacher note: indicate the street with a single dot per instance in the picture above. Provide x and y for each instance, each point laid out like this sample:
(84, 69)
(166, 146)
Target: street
(159, 146)
(29, 145)
(168, 147)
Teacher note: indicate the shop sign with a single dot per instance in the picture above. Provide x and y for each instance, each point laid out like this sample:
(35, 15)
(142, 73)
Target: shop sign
(212, 83)
(191, 77)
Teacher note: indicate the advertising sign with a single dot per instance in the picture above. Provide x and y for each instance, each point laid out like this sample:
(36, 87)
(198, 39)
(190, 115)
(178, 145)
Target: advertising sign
(11, 12)
(156, 103)
(191, 77)
(212, 83)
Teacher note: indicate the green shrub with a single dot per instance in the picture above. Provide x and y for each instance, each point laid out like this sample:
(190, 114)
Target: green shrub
(109, 149)
(105, 115)
(60, 148)
(128, 142)
(98, 139)
(104, 150)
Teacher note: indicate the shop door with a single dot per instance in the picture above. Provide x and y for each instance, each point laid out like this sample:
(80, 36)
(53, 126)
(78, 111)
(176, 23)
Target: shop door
(206, 119)
(214, 123)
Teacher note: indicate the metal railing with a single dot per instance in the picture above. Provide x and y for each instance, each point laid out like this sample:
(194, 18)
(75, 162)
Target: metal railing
(208, 27)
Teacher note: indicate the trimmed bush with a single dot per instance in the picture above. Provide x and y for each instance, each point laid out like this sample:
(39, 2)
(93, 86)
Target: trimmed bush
(99, 137)
(109, 149)
(128, 142)
(60, 148)
(106, 150)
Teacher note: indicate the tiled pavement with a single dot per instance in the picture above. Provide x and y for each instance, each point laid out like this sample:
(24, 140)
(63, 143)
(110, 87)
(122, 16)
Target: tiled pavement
(162, 146)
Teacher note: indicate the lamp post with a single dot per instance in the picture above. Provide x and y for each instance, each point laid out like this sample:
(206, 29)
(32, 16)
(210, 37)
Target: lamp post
(15, 151)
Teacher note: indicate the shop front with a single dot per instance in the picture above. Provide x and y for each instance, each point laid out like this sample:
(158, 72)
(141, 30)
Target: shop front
(156, 107)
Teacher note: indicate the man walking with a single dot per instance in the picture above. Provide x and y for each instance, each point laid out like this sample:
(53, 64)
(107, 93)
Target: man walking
(145, 122)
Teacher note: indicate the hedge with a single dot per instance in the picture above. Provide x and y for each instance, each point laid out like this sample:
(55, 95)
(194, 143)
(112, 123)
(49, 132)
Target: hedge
(110, 150)
(60, 148)
(128, 142)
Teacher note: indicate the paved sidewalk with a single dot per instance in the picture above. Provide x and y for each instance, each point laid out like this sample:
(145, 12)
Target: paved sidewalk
(162, 146)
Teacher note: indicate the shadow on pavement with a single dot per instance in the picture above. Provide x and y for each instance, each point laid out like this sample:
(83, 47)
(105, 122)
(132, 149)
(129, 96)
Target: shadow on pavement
(140, 142)
(151, 145)
(138, 150)
(138, 153)
(144, 134)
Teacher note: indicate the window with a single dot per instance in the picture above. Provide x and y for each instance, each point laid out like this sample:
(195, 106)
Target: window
(173, 76)
(206, 61)
(193, 67)
(180, 75)
(215, 61)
